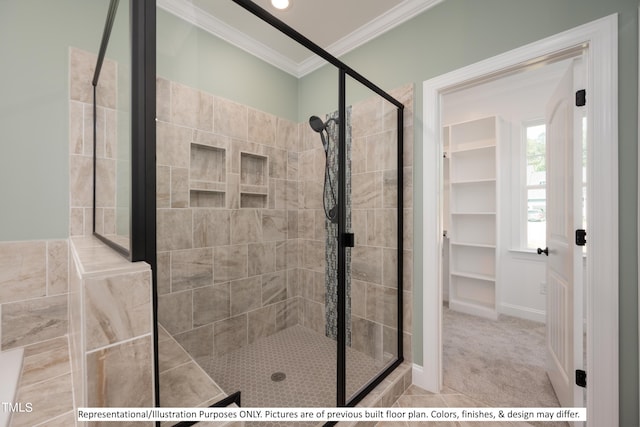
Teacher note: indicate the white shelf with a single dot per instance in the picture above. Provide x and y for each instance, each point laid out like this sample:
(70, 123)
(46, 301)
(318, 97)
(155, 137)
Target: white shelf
(484, 277)
(473, 213)
(474, 181)
(476, 145)
(472, 220)
(473, 245)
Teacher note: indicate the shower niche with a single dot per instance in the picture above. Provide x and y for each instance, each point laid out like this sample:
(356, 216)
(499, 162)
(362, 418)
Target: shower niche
(254, 175)
(207, 176)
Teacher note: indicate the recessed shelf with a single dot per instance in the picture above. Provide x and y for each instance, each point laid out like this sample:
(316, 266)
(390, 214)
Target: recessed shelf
(252, 200)
(254, 169)
(206, 199)
(208, 163)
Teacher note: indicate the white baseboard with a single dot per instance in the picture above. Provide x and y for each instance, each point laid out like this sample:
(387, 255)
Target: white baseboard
(523, 312)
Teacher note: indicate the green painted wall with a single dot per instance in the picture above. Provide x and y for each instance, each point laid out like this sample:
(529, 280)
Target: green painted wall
(456, 33)
(35, 36)
(192, 56)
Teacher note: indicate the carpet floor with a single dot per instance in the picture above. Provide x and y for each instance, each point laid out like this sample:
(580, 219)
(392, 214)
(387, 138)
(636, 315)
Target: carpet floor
(500, 363)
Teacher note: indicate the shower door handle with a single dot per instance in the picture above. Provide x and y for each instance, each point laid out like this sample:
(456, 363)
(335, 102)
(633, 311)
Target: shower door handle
(348, 240)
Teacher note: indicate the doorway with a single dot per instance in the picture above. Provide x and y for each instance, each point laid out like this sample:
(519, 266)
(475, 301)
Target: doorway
(599, 40)
(494, 220)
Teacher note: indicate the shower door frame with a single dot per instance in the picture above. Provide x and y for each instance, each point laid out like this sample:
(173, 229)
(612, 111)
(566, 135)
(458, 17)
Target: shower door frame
(343, 234)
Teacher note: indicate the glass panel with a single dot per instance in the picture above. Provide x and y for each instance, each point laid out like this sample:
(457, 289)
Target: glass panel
(372, 215)
(536, 167)
(113, 134)
(536, 218)
(246, 279)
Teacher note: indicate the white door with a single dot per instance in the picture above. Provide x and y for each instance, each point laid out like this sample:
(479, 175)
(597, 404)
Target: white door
(564, 258)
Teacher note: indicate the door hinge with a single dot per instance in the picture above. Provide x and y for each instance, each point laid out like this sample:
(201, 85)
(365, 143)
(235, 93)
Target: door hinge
(581, 98)
(581, 378)
(581, 237)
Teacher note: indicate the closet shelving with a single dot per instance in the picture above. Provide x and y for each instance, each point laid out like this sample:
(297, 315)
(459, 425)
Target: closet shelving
(470, 151)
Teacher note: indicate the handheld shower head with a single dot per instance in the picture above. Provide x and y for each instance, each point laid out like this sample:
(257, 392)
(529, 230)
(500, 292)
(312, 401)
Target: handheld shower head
(319, 126)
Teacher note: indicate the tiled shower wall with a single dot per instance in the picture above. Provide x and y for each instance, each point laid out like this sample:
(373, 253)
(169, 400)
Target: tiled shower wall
(227, 197)
(241, 227)
(81, 69)
(375, 220)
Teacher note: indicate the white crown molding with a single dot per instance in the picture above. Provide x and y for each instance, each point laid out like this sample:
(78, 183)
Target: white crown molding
(201, 19)
(392, 18)
(374, 28)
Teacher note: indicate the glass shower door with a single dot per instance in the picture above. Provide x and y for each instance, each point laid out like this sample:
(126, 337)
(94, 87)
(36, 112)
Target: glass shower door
(373, 176)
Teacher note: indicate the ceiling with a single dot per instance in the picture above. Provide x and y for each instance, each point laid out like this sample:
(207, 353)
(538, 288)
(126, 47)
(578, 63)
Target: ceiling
(337, 26)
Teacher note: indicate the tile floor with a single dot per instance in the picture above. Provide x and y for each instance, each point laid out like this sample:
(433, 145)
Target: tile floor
(46, 372)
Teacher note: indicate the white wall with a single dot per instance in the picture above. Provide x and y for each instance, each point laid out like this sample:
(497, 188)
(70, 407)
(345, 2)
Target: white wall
(516, 99)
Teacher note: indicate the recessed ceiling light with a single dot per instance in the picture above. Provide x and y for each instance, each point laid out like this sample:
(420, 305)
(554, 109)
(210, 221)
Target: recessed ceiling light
(280, 4)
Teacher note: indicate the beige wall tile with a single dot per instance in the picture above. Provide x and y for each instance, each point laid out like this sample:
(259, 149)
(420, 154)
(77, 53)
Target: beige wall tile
(164, 272)
(30, 321)
(367, 264)
(287, 313)
(173, 144)
(22, 270)
(205, 112)
(198, 342)
(185, 105)
(366, 118)
(230, 334)
(262, 323)
(262, 127)
(105, 183)
(76, 127)
(287, 135)
(211, 303)
(57, 267)
(367, 190)
(382, 151)
(274, 225)
(163, 187)
(229, 263)
(174, 229)
(274, 287)
(117, 308)
(211, 227)
(262, 258)
(81, 70)
(179, 188)
(191, 268)
(119, 376)
(80, 183)
(246, 226)
(230, 118)
(366, 337)
(175, 311)
(246, 295)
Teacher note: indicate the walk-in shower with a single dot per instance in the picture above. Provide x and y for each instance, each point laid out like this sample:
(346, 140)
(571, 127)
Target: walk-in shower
(280, 242)
(281, 261)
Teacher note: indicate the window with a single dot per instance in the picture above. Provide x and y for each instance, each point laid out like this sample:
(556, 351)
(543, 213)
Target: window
(535, 186)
